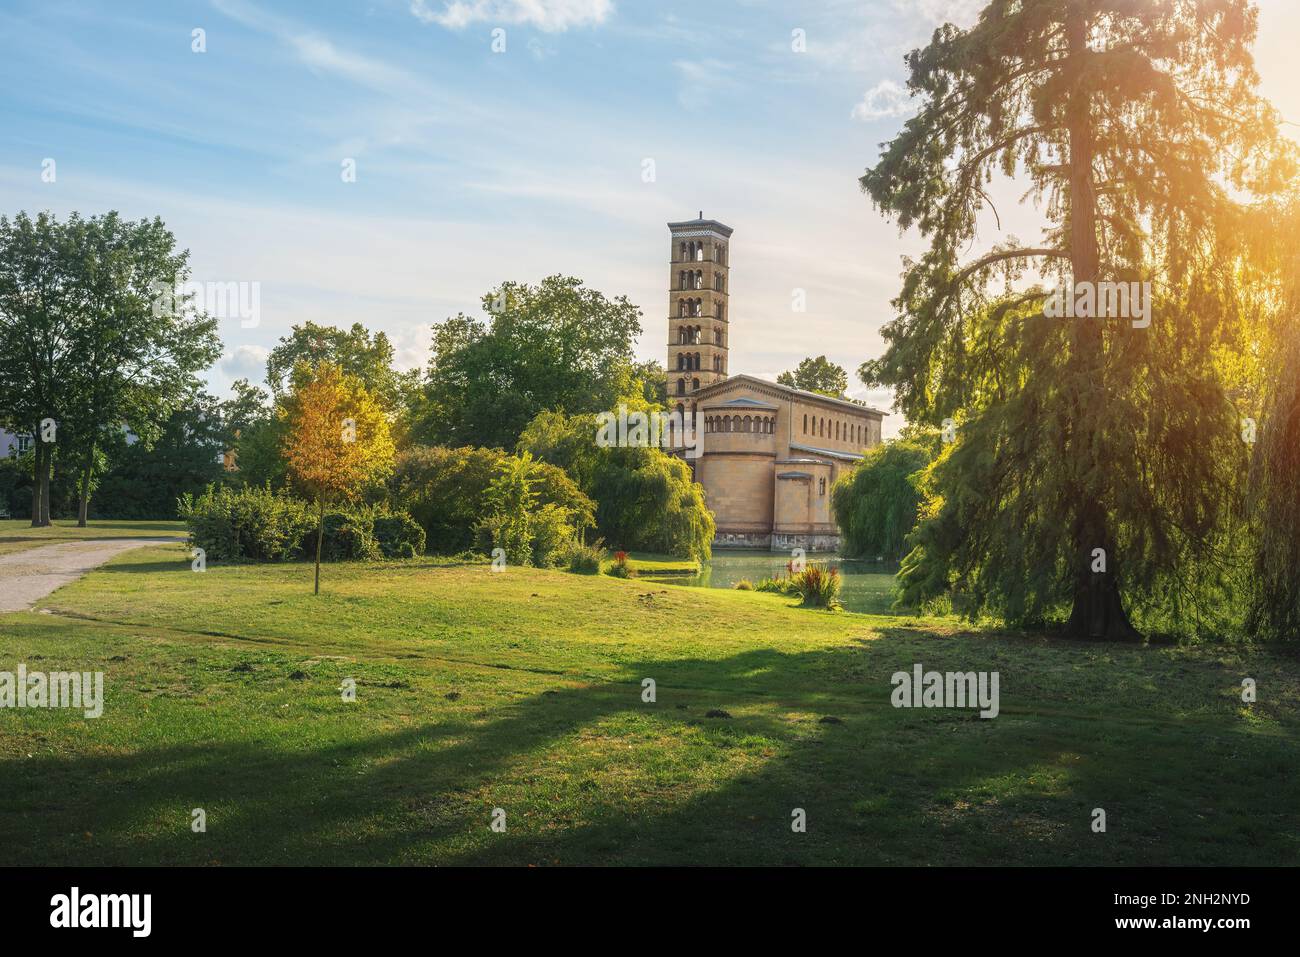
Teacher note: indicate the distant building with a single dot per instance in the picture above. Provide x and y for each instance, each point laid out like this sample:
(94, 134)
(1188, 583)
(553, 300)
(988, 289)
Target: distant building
(12, 443)
(769, 454)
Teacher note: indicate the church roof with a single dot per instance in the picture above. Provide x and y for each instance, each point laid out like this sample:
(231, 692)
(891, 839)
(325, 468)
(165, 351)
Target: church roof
(742, 402)
(833, 453)
(846, 404)
(702, 224)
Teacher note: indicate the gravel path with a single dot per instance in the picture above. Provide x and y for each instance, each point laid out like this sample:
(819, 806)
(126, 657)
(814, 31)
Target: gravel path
(28, 576)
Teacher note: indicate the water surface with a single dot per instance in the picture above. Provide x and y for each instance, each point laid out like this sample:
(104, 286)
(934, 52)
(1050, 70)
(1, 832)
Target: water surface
(868, 586)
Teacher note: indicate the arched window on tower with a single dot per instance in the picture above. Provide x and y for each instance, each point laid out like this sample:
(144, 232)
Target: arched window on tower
(805, 423)
(695, 385)
(681, 257)
(699, 253)
(699, 279)
(722, 311)
(681, 386)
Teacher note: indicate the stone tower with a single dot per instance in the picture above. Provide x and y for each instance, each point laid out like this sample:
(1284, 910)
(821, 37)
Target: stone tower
(698, 286)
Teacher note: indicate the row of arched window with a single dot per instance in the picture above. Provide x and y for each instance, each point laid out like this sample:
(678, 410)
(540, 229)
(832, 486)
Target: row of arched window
(835, 429)
(687, 361)
(698, 252)
(695, 307)
(681, 386)
(695, 280)
(762, 424)
(693, 336)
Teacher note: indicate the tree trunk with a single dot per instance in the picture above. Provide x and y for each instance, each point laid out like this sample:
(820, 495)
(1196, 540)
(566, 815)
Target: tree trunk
(84, 507)
(1098, 611)
(36, 483)
(46, 471)
(320, 535)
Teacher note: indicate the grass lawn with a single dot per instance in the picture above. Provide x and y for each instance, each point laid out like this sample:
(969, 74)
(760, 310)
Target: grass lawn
(17, 534)
(522, 691)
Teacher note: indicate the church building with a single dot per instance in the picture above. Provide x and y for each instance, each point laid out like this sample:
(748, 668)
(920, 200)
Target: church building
(767, 455)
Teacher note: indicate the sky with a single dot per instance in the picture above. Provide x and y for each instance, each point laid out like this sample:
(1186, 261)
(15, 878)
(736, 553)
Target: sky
(493, 140)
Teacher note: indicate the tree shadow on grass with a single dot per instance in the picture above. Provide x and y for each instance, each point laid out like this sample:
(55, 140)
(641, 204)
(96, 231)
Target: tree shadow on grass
(592, 774)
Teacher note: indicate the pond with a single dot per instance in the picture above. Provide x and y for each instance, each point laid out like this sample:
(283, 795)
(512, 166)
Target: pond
(868, 586)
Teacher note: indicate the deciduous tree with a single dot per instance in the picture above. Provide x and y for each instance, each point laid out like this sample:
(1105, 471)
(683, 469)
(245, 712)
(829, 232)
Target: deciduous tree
(337, 439)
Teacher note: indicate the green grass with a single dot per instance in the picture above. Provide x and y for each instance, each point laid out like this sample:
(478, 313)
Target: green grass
(522, 690)
(17, 534)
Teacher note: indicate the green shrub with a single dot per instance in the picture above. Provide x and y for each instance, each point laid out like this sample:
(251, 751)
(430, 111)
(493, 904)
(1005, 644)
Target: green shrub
(348, 537)
(818, 587)
(744, 585)
(256, 524)
(507, 534)
(445, 490)
(245, 524)
(779, 586)
(552, 535)
(620, 567)
(399, 536)
(585, 559)
(645, 499)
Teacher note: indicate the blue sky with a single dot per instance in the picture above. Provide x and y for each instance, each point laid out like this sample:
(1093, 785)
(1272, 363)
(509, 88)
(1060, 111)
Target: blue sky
(475, 166)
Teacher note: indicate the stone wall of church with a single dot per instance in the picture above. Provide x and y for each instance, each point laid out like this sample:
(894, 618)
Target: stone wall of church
(738, 487)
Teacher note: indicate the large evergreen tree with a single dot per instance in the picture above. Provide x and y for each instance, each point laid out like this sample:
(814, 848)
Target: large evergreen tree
(1093, 458)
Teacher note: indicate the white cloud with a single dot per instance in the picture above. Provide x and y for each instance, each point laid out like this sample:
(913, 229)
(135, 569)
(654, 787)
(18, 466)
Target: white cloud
(553, 16)
(885, 99)
(245, 362)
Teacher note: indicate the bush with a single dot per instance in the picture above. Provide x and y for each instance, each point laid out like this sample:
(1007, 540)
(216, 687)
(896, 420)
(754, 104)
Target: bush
(256, 524)
(246, 524)
(445, 491)
(620, 568)
(399, 536)
(348, 538)
(645, 499)
(779, 586)
(585, 559)
(744, 585)
(552, 535)
(818, 587)
(507, 534)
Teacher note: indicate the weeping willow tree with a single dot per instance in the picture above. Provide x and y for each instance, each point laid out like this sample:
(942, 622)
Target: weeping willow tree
(1275, 469)
(1096, 460)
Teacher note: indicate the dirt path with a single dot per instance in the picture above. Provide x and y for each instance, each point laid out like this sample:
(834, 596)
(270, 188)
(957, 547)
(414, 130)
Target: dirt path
(28, 576)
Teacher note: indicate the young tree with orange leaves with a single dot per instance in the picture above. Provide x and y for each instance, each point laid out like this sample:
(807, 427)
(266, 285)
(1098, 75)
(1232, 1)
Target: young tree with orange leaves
(338, 440)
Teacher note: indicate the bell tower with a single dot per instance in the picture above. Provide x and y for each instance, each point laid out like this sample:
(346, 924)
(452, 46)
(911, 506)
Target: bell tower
(698, 286)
